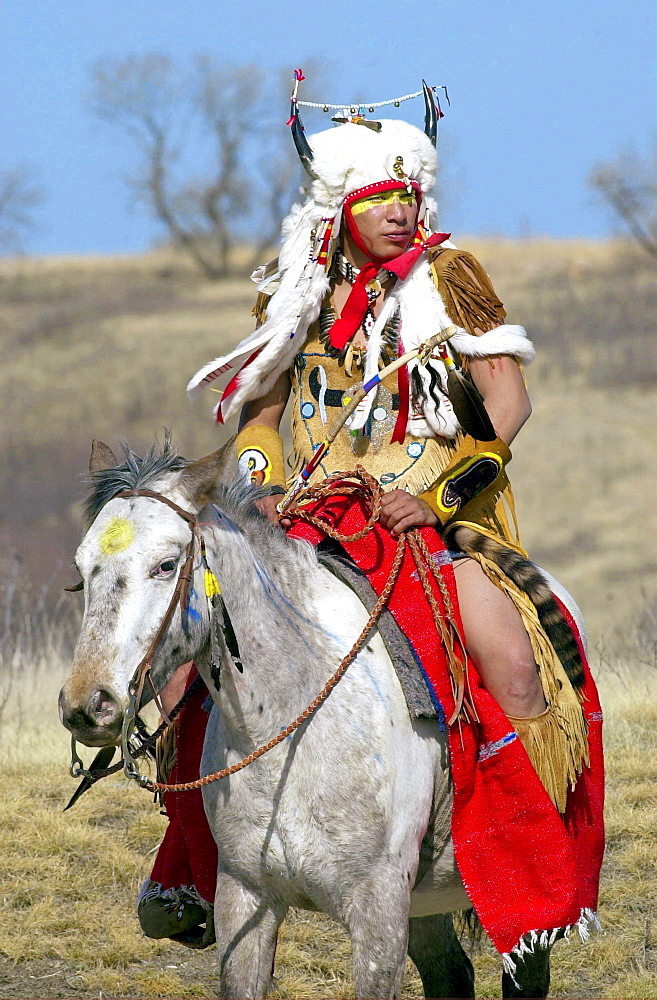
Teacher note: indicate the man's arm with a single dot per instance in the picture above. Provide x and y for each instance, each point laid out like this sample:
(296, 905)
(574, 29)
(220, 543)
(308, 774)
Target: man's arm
(269, 409)
(502, 387)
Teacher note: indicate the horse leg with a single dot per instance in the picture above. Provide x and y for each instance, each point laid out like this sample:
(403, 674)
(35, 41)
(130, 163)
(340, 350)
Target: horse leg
(444, 968)
(378, 928)
(246, 926)
(532, 976)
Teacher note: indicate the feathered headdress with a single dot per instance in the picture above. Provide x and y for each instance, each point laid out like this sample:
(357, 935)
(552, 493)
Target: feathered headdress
(340, 162)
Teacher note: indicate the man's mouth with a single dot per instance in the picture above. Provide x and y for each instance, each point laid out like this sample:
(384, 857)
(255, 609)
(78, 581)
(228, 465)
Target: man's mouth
(398, 237)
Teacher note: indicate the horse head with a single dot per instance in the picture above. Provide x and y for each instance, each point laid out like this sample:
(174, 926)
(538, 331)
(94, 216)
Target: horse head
(130, 560)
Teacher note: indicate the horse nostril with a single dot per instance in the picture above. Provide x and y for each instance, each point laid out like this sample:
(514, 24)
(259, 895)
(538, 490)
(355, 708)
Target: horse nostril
(64, 710)
(103, 707)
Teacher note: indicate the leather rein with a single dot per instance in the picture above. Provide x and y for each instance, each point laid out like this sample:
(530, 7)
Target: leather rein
(142, 673)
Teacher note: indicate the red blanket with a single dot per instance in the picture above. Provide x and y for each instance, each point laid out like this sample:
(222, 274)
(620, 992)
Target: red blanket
(526, 869)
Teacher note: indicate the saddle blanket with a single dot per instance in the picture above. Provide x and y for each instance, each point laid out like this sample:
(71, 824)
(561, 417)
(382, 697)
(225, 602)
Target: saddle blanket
(528, 870)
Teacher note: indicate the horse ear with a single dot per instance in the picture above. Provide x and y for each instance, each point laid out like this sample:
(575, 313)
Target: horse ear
(102, 457)
(200, 478)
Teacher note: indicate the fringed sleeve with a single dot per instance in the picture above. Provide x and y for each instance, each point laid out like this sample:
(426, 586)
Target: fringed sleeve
(466, 290)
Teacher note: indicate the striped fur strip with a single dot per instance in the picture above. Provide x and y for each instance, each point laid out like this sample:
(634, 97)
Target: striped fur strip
(528, 578)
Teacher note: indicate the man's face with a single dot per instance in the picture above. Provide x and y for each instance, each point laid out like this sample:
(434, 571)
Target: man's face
(386, 222)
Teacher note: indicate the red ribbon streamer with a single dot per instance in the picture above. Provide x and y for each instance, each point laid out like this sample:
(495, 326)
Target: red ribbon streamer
(232, 385)
(399, 432)
(354, 309)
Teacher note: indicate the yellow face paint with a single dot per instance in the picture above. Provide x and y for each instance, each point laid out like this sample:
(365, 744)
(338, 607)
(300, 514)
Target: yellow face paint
(394, 197)
(117, 536)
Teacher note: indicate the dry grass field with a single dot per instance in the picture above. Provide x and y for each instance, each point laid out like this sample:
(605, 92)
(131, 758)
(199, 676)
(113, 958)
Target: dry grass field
(103, 348)
(68, 880)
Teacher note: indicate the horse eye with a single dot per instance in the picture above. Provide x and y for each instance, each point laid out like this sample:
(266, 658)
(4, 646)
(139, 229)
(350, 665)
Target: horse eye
(166, 568)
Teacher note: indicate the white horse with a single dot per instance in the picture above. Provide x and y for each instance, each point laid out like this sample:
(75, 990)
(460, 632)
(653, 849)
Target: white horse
(335, 817)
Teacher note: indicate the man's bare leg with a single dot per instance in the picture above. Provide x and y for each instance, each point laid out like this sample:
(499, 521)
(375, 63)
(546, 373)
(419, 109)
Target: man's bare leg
(496, 640)
(172, 692)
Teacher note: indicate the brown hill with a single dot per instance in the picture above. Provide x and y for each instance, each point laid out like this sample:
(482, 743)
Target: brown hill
(103, 347)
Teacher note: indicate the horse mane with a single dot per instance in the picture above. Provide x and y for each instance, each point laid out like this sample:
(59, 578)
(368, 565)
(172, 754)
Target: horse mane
(236, 498)
(135, 473)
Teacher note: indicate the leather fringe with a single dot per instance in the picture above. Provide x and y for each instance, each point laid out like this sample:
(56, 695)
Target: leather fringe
(542, 738)
(166, 753)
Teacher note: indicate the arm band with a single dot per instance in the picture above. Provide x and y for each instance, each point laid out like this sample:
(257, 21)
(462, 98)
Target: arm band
(260, 455)
(475, 467)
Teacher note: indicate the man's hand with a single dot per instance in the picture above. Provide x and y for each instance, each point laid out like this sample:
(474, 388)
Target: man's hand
(401, 510)
(267, 506)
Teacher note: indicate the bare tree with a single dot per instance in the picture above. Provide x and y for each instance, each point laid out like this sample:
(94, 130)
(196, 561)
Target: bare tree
(19, 196)
(219, 114)
(628, 186)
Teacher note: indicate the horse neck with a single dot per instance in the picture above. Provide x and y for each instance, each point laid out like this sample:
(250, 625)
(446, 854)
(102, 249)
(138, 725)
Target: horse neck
(269, 587)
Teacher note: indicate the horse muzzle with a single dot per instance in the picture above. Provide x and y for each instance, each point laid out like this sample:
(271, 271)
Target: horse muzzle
(95, 720)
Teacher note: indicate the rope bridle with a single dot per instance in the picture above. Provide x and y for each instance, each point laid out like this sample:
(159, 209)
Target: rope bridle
(358, 484)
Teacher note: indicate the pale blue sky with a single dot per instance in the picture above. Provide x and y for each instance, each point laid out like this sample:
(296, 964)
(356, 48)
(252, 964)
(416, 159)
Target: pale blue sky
(540, 90)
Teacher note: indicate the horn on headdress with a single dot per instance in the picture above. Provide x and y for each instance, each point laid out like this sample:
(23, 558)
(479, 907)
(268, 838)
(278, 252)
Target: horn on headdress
(430, 114)
(298, 133)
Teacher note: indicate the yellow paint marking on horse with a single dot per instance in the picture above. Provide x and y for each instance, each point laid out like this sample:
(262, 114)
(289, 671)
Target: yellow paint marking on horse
(117, 536)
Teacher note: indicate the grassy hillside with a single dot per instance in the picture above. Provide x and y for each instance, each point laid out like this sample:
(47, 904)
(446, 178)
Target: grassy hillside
(103, 347)
(68, 881)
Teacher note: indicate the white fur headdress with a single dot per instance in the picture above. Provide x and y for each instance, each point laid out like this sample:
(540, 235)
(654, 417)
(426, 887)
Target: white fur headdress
(344, 160)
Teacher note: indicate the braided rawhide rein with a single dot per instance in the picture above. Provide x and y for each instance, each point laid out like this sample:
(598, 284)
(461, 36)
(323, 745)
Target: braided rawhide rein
(359, 483)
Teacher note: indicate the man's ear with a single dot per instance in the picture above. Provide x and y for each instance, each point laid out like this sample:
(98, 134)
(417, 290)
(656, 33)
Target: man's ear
(102, 457)
(201, 477)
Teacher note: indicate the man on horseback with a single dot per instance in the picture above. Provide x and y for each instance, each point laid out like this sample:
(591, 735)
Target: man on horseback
(363, 277)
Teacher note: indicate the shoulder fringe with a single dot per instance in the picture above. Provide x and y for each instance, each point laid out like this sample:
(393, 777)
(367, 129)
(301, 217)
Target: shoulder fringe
(587, 924)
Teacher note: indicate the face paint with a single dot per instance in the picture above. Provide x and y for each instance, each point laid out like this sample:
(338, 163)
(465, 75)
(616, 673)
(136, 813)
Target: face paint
(395, 197)
(117, 536)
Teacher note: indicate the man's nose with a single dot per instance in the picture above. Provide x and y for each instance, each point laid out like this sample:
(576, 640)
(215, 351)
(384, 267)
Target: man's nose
(397, 213)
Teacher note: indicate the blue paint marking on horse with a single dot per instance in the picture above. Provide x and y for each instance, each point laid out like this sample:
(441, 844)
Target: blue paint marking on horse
(192, 611)
(375, 684)
(271, 589)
